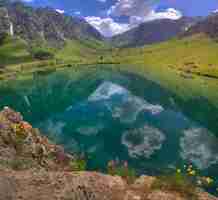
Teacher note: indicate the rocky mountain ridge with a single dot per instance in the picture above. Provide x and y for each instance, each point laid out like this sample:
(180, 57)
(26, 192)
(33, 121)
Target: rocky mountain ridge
(208, 26)
(153, 32)
(44, 25)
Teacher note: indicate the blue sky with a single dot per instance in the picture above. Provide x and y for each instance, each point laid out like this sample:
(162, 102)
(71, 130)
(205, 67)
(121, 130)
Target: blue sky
(112, 17)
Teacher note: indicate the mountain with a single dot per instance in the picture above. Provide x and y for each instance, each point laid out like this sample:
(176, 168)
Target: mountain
(32, 34)
(208, 26)
(152, 32)
(44, 25)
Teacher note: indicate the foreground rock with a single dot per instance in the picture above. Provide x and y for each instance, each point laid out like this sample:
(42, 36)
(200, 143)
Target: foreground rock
(23, 147)
(41, 171)
(44, 185)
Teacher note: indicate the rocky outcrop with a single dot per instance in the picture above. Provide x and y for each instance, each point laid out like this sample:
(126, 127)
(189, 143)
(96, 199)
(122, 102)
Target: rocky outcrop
(5, 23)
(45, 174)
(44, 185)
(23, 147)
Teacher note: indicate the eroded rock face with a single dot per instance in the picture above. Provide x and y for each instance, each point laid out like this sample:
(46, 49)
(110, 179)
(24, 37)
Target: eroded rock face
(4, 21)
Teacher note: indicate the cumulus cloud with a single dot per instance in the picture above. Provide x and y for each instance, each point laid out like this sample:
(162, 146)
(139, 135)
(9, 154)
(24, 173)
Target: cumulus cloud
(102, 1)
(130, 8)
(169, 13)
(144, 9)
(77, 13)
(137, 11)
(215, 11)
(60, 11)
(107, 26)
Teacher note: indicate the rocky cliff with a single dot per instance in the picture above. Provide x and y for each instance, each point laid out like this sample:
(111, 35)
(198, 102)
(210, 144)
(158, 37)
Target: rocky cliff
(5, 24)
(31, 167)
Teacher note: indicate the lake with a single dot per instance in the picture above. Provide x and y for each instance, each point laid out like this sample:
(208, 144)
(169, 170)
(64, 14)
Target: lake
(114, 114)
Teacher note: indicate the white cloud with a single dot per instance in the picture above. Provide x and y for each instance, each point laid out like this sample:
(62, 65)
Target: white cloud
(137, 11)
(130, 8)
(77, 13)
(169, 13)
(215, 11)
(141, 10)
(102, 1)
(107, 26)
(60, 11)
(28, 1)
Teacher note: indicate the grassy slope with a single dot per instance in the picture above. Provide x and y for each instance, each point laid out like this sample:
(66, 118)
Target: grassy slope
(197, 54)
(166, 62)
(14, 51)
(82, 51)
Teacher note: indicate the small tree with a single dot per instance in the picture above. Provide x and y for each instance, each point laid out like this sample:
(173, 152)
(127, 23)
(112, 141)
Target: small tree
(3, 37)
(42, 55)
(101, 58)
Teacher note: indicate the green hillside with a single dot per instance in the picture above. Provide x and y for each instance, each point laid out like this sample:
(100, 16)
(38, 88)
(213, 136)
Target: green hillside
(196, 54)
(14, 51)
(82, 51)
(192, 55)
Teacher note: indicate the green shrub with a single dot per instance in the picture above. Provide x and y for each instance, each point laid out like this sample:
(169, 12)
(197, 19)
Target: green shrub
(42, 55)
(124, 171)
(18, 144)
(19, 137)
(17, 164)
(78, 165)
(177, 182)
(3, 38)
(20, 163)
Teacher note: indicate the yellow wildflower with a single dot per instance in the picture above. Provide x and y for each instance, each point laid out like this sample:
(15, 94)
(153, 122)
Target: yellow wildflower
(178, 171)
(209, 180)
(192, 172)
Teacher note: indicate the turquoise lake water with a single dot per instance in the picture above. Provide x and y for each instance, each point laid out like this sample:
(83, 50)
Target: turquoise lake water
(116, 115)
